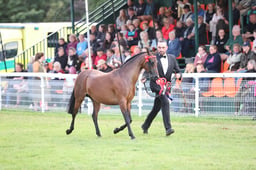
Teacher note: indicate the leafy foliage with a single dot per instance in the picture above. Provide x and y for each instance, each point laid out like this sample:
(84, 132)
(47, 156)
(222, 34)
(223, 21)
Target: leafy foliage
(43, 11)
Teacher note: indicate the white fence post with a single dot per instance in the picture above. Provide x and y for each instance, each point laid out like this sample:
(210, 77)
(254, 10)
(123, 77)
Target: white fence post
(42, 94)
(140, 96)
(197, 109)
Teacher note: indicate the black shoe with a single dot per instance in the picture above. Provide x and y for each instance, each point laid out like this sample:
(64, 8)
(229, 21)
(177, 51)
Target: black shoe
(145, 131)
(169, 132)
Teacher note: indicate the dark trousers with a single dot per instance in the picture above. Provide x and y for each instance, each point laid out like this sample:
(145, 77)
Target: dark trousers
(160, 102)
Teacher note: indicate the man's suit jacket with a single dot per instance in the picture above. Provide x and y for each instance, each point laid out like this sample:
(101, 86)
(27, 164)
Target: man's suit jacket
(173, 67)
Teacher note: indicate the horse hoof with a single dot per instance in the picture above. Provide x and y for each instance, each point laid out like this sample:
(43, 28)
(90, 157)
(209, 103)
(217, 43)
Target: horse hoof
(116, 130)
(68, 131)
(132, 137)
(99, 135)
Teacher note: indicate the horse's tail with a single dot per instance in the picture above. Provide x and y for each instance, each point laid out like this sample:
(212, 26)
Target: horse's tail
(71, 103)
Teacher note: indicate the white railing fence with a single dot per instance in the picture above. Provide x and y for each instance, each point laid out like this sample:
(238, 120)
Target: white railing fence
(198, 94)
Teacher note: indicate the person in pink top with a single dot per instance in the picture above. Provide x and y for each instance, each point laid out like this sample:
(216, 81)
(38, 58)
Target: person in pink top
(72, 42)
(100, 56)
(200, 56)
(167, 28)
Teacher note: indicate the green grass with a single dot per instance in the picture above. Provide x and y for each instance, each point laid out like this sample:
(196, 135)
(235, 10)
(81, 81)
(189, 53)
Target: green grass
(38, 141)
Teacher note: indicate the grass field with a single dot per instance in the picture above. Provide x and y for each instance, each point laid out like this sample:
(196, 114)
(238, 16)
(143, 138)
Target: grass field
(38, 141)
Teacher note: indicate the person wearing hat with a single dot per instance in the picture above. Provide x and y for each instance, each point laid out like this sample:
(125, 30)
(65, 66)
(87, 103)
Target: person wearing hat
(181, 5)
(248, 55)
(186, 14)
(100, 56)
(102, 66)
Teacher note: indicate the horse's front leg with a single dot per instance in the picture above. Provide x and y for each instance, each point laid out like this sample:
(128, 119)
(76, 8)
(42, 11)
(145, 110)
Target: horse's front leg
(116, 130)
(126, 114)
(96, 108)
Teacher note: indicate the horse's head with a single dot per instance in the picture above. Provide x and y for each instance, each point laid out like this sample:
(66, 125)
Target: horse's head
(150, 65)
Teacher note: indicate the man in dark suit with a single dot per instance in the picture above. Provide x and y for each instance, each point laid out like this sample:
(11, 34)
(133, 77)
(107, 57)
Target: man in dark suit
(166, 65)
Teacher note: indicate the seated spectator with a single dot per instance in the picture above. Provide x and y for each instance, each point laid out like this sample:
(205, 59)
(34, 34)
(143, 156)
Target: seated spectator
(248, 55)
(149, 30)
(118, 56)
(168, 15)
(213, 23)
(124, 29)
(121, 19)
(102, 66)
(145, 41)
(221, 40)
(132, 36)
(254, 42)
(209, 13)
(93, 56)
(159, 36)
(93, 30)
(119, 37)
(136, 23)
(179, 29)
(72, 42)
(202, 31)
(149, 11)
(248, 31)
(131, 14)
(62, 58)
(94, 44)
(107, 42)
(111, 30)
(61, 43)
(174, 46)
(140, 8)
(136, 51)
(187, 41)
(57, 69)
(157, 26)
(181, 6)
(167, 28)
(213, 61)
(130, 4)
(186, 15)
(73, 60)
(145, 50)
(234, 59)
(112, 60)
(127, 55)
(100, 56)
(101, 33)
(200, 56)
(236, 38)
(81, 46)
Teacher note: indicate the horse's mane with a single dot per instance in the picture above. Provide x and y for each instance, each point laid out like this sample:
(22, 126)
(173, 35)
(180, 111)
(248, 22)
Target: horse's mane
(131, 59)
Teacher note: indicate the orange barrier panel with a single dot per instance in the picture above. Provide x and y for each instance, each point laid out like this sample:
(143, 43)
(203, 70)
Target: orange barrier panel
(230, 87)
(217, 87)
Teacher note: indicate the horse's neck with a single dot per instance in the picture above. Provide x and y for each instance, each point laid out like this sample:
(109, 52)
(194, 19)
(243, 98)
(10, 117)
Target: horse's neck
(132, 69)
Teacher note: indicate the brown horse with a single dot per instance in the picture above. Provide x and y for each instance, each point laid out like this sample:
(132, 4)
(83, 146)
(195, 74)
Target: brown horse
(114, 88)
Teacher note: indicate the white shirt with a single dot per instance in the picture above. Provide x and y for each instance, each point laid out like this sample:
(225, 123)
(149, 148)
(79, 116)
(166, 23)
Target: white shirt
(164, 62)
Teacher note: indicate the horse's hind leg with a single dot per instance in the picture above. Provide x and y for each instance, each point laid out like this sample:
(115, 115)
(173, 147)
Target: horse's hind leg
(77, 105)
(96, 108)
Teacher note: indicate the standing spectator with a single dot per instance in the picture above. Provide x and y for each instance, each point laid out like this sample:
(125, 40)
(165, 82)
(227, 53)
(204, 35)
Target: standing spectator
(248, 55)
(131, 14)
(107, 42)
(221, 40)
(167, 28)
(213, 23)
(202, 31)
(236, 13)
(209, 14)
(101, 33)
(187, 41)
(121, 19)
(149, 11)
(200, 56)
(73, 60)
(100, 56)
(213, 61)
(140, 8)
(234, 59)
(81, 46)
(62, 58)
(132, 36)
(174, 46)
(200, 12)
(72, 42)
(61, 43)
(181, 6)
(186, 15)
(38, 67)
